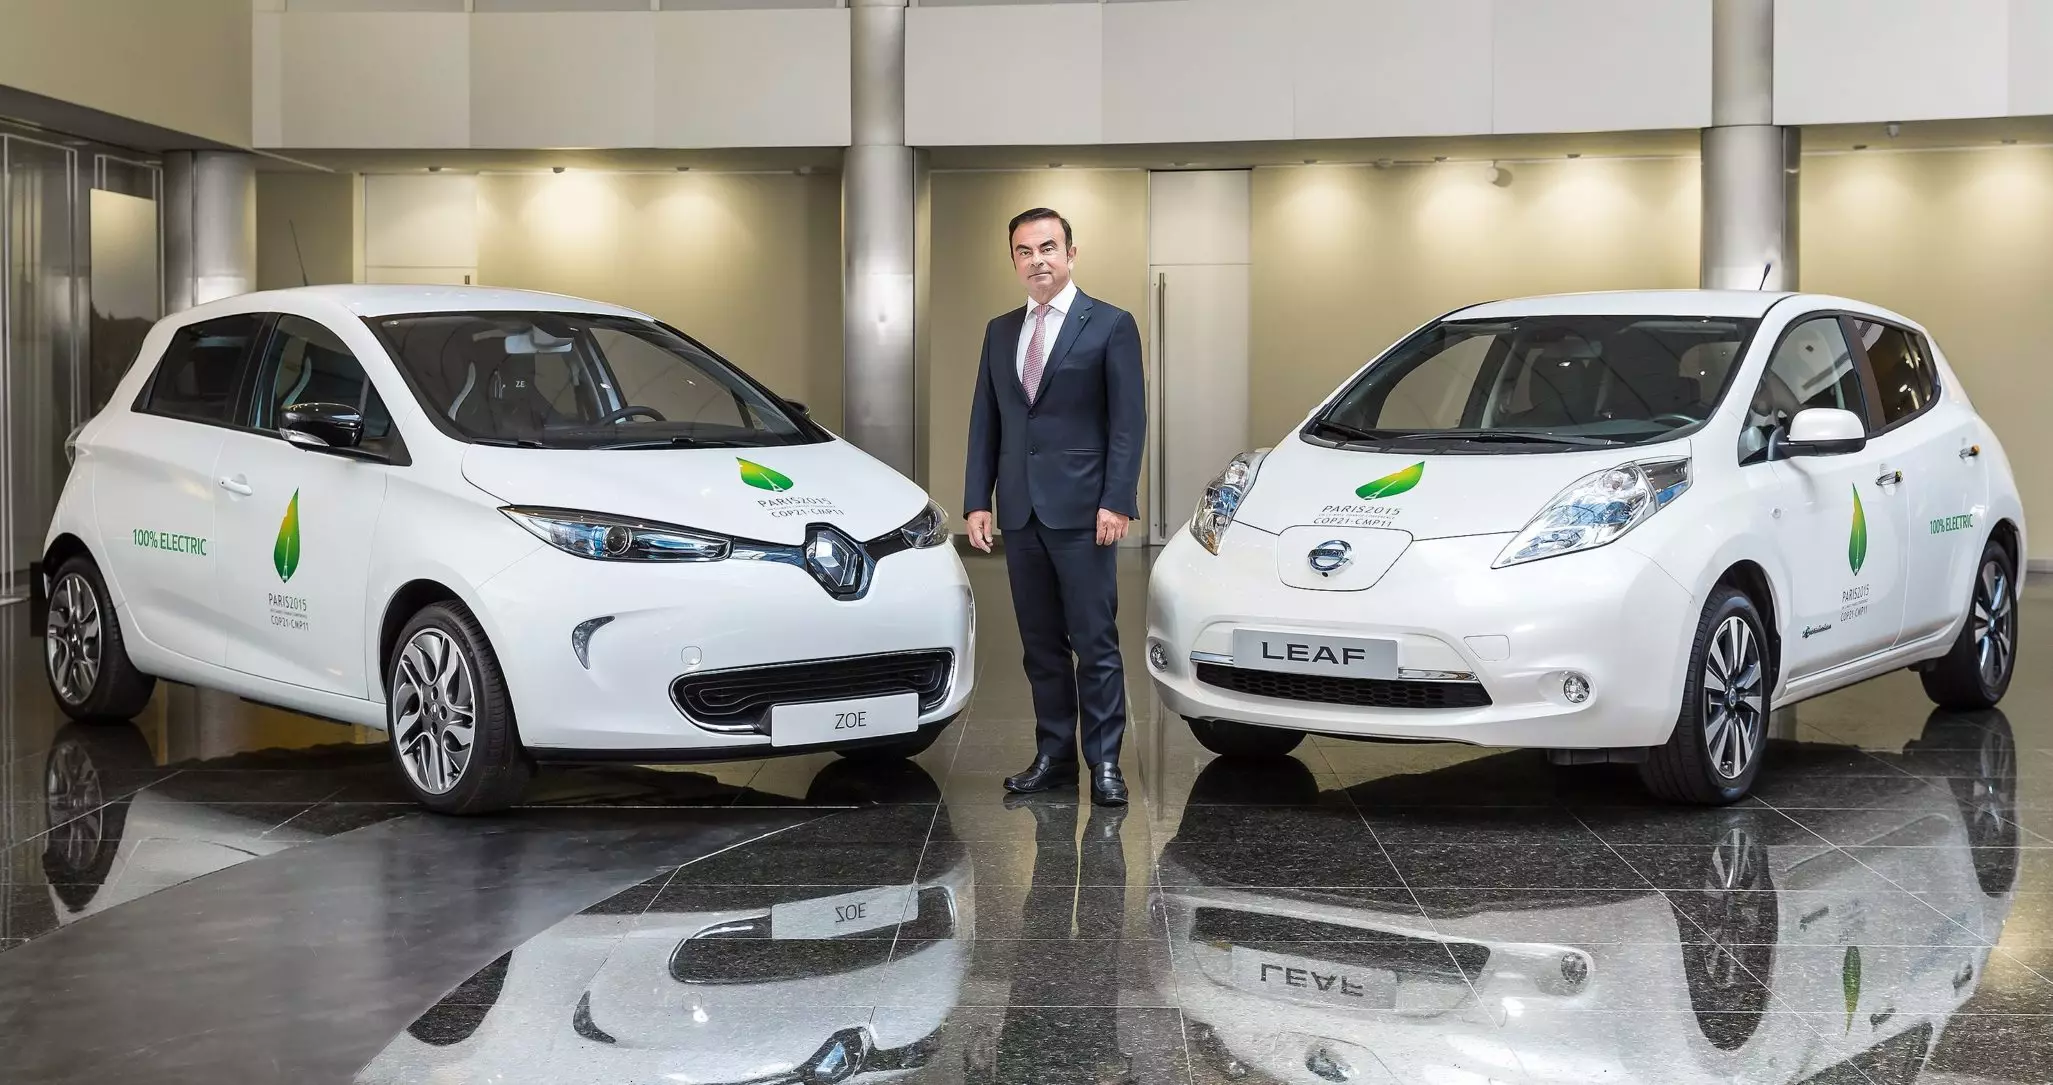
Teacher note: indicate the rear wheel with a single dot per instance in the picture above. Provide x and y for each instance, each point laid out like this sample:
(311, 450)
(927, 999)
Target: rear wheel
(449, 718)
(1975, 673)
(84, 657)
(1229, 739)
(1715, 751)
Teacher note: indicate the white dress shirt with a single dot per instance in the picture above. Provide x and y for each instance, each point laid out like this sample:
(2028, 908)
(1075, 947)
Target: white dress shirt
(1059, 307)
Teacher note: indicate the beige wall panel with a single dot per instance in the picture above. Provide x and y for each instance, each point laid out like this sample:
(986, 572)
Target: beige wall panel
(1195, 70)
(375, 79)
(321, 208)
(750, 264)
(183, 65)
(1955, 241)
(972, 281)
(563, 79)
(1394, 68)
(962, 86)
(421, 220)
(2031, 42)
(752, 78)
(1601, 65)
(1846, 61)
(1348, 259)
(267, 80)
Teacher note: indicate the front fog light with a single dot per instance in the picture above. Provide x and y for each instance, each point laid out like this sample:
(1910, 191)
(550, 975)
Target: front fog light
(1158, 655)
(1575, 688)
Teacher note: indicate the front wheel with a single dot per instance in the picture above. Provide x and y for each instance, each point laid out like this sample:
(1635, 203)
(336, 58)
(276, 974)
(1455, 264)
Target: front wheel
(85, 659)
(1715, 751)
(449, 719)
(1229, 739)
(1975, 673)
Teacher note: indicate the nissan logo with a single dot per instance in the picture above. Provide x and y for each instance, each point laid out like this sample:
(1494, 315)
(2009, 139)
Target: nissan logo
(1329, 557)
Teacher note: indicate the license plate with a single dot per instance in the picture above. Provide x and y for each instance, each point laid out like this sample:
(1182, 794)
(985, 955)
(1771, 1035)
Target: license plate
(1302, 979)
(850, 913)
(844, 721)
(1304, 653)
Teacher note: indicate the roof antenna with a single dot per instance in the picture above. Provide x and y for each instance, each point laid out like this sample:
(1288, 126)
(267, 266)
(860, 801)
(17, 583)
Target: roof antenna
(1765, 272)
(301, 257)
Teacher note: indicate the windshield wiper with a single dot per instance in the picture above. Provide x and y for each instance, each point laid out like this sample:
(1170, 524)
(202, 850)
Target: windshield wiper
(670, 442)
(1520, 436)
(508, 442)
(1345, 430)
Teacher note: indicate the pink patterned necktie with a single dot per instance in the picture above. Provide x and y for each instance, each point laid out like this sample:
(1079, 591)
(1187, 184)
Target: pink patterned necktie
(1036, 354)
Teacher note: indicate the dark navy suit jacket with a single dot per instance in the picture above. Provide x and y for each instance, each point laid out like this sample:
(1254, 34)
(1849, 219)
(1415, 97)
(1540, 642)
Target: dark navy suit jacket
(1077, 449)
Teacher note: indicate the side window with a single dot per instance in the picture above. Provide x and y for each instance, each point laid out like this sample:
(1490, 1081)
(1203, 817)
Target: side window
(197, 377)
(305, 362)
(1813, 367)
(1905, 382)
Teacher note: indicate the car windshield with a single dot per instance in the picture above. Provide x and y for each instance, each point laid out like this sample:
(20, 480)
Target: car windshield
(1539, 384)
(573, 380)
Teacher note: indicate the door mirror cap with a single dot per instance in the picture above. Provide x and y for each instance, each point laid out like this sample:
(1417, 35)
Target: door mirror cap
(322, 427)
(1822, 431)
(799, 407)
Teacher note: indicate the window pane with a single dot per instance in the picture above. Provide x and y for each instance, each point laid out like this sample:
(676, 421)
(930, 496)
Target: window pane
(196, 378)
(1904, 380)
(1812, 368)
(306, 362)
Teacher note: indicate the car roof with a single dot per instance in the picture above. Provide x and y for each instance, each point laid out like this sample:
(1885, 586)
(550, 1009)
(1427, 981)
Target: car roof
(373, 300)
(1707, 303)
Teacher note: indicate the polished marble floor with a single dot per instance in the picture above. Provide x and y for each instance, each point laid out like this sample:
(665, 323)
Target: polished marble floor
(222, 892)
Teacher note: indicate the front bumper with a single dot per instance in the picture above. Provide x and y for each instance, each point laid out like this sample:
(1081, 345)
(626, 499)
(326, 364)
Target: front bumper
(1610, 614)
(669, 621)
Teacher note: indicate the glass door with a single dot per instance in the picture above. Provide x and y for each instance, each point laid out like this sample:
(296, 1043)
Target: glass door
(40, 340)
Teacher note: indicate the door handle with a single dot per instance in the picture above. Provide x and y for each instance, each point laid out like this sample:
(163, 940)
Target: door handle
(1889, 478)
(237, 485)
(1970, 452)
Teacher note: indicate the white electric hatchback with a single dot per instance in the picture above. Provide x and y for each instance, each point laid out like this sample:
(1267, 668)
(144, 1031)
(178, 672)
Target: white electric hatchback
(1619, 527)
(504, 526)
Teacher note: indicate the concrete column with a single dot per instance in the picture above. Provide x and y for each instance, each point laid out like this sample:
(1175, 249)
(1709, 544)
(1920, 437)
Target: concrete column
(210, 227)
(877, 241)
(1750, 164)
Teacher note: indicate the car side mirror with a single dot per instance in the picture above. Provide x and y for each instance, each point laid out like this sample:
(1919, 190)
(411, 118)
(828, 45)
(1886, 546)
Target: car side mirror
(1820, 431)
(322, 427)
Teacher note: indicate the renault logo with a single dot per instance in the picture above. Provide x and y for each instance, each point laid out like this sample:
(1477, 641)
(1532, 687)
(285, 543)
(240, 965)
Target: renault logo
(1330, 557)
(836, 561)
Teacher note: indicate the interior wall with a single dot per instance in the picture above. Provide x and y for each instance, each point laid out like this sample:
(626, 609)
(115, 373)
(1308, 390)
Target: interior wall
(322, 208)
(1956, 241)
(748, 263)
(183, 65)
(1347, 259)
(972, 281)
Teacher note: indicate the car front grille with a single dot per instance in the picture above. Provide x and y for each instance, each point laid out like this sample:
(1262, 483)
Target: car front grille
(1354, 692)
(740, 700)
(745, 951)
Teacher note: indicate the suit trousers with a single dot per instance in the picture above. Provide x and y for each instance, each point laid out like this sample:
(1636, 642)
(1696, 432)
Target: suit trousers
(1065, 594)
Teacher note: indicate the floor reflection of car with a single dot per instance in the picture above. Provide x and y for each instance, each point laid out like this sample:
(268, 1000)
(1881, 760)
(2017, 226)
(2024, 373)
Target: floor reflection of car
(717, 983)
(100, 853)
(1789, 963)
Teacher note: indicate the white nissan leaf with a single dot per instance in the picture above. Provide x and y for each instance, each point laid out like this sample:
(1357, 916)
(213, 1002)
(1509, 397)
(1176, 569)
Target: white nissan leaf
(504, 526)
(1619, 527)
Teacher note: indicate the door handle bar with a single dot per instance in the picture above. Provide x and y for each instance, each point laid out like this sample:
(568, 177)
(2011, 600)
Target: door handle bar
(237, 486)
(1889, 478)
(1162, 405)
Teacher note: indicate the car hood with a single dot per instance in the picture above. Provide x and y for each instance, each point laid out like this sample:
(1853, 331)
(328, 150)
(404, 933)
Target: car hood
(1429, 496)
(765, 494)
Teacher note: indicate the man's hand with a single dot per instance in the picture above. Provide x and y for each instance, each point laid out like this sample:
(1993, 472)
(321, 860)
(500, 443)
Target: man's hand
(978, 524)
(1111, 527)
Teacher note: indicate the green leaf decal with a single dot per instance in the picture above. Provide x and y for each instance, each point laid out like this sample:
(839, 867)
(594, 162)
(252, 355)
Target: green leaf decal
(1857, 543)
(285, 553)
(1850, 980)
(1394, 484)
(762, 478)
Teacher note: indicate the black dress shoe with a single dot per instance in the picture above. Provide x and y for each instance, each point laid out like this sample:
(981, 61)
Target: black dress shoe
(1043, 774)
(1108, 787)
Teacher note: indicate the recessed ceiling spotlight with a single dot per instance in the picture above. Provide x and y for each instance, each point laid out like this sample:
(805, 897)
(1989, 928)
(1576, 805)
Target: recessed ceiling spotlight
(1311, 161)
(1054, 165)
(1439, 158)
(2010, 141)
(1179, 165)
(1384, 163)
(684, 169)
(1575, 154)
(555, 169)
(1893, 128)
(1860, 146)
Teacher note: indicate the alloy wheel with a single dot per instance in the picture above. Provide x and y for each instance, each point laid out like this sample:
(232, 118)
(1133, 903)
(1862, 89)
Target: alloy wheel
(73, 800)
(1995, 623)
(71, 639)
(434, 706)
(1733, 707)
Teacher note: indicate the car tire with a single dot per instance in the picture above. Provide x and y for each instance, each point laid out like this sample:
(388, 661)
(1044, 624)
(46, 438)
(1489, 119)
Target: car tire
(85, 659)
(1975, 672)
(904, 749)
(443, 673)
(1719, 741)
(1229, 739)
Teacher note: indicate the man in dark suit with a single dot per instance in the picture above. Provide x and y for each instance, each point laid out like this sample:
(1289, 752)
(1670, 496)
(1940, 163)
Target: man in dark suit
(1057, 428)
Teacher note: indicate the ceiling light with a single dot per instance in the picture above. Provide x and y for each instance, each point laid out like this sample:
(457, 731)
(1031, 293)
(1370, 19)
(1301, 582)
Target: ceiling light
(2010, 141)
(1894, 129)
(1575, 154)
(1179, 165)
(555, 169)
(1054, 165)
(434, 169)
(1384, 163)
(1439, 158)
(1311, 161)
(1499, 176)
(1860, 146)
(684, 169)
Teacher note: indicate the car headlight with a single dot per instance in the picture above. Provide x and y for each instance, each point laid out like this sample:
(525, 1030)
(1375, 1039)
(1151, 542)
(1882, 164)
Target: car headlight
(1596, 509)
(1222, 499)
(613, 538)
(929, 528)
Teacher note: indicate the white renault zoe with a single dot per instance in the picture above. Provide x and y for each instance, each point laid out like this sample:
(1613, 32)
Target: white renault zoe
(504, 526)
(1620, 527)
